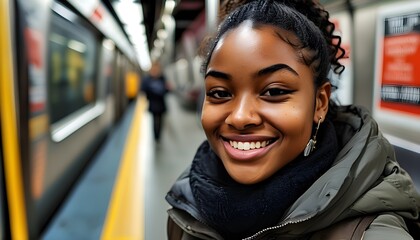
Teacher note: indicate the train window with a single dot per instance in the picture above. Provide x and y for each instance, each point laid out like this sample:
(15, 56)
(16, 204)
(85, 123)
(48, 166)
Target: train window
(72, 51)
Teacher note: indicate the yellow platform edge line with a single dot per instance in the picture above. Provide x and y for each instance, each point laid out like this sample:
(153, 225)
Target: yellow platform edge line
(125, 216)
(8, 112)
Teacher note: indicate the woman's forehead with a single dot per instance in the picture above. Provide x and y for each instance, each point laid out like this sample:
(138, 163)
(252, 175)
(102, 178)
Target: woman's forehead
(249, 25)
(256, 40)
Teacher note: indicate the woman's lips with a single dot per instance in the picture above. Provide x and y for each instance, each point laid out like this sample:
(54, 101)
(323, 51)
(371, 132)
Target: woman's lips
(247, 150)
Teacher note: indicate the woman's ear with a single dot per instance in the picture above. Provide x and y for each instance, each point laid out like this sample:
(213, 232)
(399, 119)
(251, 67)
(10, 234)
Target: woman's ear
(322, 101)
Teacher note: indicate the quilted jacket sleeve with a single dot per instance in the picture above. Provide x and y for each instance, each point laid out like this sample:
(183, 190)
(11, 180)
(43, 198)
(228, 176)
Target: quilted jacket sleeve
(387, 227)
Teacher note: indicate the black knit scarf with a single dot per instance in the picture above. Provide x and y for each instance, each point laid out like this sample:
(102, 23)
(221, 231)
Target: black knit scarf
(236, 210)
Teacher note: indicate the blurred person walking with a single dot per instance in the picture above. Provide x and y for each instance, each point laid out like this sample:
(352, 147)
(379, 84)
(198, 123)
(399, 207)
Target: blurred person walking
(155, 88)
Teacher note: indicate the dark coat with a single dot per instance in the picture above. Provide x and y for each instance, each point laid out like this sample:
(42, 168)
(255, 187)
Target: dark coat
(155, 90)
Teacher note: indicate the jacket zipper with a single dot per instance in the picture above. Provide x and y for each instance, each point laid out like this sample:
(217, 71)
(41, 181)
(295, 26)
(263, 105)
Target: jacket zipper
(278, 226)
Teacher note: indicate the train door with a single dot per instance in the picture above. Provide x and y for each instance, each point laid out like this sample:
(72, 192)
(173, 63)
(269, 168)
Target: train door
(13, 216)
(107, 75)
(120, 84)
(116, 86)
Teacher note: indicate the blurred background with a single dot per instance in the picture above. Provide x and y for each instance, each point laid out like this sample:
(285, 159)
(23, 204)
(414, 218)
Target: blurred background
(78, 158)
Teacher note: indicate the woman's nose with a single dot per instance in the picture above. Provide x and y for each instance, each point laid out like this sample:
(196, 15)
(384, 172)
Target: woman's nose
(244, 113)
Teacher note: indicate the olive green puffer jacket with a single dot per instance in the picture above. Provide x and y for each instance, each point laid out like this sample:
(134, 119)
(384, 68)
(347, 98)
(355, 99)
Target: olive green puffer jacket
(365, 179)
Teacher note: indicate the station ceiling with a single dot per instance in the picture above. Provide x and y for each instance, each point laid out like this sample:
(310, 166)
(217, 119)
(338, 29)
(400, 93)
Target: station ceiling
(185, 12)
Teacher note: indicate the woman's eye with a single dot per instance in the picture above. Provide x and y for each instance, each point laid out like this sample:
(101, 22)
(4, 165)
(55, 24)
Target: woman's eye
(219, 94)
(275, 92)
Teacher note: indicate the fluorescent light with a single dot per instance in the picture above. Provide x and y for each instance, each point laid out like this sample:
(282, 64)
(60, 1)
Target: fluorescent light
(64, 12)
(158, 43)
(129, 12)
(162, 34)
(169, 6)
(131, 15)
(108, 44)
(134, 29)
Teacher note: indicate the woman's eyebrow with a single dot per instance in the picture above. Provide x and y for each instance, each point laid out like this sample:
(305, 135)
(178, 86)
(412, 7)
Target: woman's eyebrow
(276, 67)
(217, 74)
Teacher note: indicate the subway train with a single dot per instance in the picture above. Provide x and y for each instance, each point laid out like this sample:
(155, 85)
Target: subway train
(67, 75)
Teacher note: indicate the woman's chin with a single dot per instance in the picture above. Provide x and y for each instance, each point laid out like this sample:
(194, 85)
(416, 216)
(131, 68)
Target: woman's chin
(245, 177)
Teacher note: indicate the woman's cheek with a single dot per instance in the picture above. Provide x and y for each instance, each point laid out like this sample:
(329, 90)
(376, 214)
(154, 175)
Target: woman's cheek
(208, 118)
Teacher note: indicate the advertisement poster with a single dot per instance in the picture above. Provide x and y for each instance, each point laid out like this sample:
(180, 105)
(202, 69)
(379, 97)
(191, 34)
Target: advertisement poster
(400, 81)
(397, 81)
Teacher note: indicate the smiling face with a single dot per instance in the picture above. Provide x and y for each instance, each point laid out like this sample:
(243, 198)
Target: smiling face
(260, 102)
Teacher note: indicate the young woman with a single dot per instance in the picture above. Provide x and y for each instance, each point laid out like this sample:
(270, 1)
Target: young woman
(282, 161)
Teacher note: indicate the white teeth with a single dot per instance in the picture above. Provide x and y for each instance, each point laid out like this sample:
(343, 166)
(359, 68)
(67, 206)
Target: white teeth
(248, 145)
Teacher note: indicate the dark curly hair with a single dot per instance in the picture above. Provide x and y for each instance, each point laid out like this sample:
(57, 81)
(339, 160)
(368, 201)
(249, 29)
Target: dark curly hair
(305, 18)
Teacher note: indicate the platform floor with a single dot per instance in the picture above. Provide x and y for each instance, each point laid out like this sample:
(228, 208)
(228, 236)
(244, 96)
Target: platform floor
(181, 136)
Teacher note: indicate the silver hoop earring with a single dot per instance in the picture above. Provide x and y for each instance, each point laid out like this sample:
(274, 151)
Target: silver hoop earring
(311, 144)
